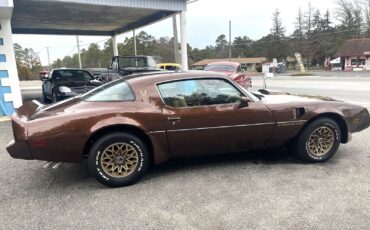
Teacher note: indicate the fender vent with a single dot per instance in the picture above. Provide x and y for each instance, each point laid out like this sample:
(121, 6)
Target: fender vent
(298, 112)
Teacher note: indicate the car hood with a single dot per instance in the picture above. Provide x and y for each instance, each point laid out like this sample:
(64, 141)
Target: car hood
(283, 99)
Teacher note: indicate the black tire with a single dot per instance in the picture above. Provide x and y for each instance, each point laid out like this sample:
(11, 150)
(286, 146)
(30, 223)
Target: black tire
(101, 173)
(54, 97)
(313, 148)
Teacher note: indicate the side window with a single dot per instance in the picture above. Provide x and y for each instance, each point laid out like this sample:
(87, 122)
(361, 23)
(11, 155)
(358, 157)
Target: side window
(112, 91)
(198, 92)
(87, 76)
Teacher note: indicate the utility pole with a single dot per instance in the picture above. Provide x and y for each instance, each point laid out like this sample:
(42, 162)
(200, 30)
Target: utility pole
(134, 36)
(47, 50)
(230, 39)
(175, 39)
(79, 53)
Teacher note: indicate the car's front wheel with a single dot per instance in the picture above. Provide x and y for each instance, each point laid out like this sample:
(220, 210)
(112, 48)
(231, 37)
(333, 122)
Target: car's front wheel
(118, 159)
(319, 141)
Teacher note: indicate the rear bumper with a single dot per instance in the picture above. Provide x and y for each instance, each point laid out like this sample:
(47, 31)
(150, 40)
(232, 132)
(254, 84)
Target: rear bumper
(19, 150)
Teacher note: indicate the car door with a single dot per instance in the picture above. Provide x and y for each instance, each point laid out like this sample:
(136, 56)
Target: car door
(205, 116)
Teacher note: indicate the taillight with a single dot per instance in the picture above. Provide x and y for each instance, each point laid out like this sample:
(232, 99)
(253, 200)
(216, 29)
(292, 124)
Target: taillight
(239, 78)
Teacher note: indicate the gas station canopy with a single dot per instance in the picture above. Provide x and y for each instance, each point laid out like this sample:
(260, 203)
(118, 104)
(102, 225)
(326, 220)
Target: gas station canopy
(89, 17)
(75, 17)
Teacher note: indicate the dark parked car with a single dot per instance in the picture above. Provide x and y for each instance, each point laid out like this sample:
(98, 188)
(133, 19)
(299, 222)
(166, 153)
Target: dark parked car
(232, 70)
(64, 83)
(122, 126)
(122, 66)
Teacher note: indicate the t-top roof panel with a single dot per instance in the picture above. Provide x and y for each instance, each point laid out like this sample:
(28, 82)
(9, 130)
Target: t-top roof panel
(89, 17)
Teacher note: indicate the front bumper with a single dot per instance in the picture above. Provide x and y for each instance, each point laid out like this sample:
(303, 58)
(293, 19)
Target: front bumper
(360, 121)
(19, 150)
(62, 96)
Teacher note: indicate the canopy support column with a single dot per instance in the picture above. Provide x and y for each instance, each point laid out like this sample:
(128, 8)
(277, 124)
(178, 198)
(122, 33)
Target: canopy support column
(184, 46)
(115, 46)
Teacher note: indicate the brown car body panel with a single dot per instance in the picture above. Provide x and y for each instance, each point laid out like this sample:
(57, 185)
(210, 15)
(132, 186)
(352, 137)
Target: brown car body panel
(63, 131)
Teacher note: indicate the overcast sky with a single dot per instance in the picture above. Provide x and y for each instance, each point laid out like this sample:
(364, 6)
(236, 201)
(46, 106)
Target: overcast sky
(206, 19)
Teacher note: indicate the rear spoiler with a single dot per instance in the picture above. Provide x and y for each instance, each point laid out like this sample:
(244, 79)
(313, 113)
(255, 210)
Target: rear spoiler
(28, 109)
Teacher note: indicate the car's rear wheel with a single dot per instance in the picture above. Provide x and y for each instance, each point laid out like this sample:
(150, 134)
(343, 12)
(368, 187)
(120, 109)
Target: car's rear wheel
(118, 159)
(319, 141)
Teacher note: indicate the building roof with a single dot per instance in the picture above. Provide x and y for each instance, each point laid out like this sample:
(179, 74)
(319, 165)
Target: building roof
(89, 17)
(354, 47)
(255, 60)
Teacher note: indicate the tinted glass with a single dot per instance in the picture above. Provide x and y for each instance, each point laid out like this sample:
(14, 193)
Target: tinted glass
(171, 67)
(113, 91)
(200, 92)
(136, 62)
(72, 75)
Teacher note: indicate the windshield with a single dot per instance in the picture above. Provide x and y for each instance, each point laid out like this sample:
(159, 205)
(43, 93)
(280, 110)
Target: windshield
(223, 68)
(136, 62)
(71, 75)
(117, 90)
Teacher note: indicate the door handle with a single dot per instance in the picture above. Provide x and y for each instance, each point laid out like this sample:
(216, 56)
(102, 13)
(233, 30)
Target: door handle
(174, 118)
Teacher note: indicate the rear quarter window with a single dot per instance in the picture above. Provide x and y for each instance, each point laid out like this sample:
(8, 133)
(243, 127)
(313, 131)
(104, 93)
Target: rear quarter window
(110, 92)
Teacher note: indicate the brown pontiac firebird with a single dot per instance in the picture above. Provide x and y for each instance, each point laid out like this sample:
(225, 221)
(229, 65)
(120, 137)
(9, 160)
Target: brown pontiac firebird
(122, 126)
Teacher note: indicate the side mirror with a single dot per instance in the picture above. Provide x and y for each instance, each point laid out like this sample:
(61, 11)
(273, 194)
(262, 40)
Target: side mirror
(244, 102)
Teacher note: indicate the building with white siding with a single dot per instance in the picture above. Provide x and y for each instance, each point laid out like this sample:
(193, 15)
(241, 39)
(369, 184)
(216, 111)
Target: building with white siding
(355, 55)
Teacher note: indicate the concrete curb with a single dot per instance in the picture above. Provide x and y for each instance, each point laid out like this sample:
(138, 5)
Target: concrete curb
(3, 119)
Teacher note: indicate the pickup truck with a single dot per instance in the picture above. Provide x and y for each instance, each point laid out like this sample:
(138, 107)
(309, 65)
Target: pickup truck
(126, 65)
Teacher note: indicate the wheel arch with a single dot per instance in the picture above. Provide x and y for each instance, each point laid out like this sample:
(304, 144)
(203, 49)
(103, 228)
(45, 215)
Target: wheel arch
(119, 128)
(337, 118)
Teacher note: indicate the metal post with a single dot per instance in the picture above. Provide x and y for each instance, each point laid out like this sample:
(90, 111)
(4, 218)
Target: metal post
(47, 50)
(10, 93)
(134, 36)
(175, 39)
(184, 46)
(79, 53)
(115, 47)
(230, 39)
